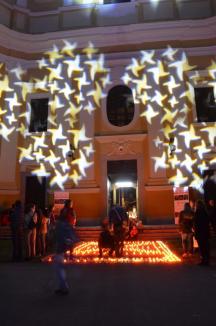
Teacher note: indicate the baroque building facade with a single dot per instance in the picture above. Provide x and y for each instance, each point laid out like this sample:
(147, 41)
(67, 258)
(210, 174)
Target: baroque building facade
(107, 103)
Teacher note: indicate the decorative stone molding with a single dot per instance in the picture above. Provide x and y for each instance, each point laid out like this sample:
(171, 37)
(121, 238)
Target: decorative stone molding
(122, 148)
(131, 12)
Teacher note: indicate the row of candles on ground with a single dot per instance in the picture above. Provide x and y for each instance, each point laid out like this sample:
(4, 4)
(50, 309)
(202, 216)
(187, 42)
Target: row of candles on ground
(134, 252)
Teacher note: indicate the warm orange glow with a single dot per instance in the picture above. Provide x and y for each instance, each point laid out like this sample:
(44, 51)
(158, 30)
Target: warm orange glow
(135, 252)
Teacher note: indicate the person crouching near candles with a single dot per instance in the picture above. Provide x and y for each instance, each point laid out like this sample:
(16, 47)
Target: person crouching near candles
(106, 239)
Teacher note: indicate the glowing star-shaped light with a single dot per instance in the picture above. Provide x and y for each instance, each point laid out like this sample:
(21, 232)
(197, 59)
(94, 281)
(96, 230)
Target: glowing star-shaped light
(79, 136)
(82, 81)
(178, 179)
(26, 114)
(55, 73)
(4, 85)
(42, 63)
(79, 97)
(180, 121)
(188, 93)
(203, 166)
(52, 159)
(75, 177)
(59, 179)
(18, 71)
(65, 166)
(144, 98)
(188, 163)
(173, 101)
(11, 118)
(106, 81)
(68, 49)
(181, 66)
(57, 134)
(82, 163)
(41, 84)
(160, 162)
(197, 182)
(72, 111)
(67, 91)
(169, 53)
(41, 171)
(171, 84)
(135, 67)
(39, 156)
(88, 149)
(158, 72)
(147, 57)
(126, 78)
(5, 131)
(55, 104)
(169, 116)
(27, 88)
(23, 130)
(211, 133)
(142, 84)
(212, 69)
(39, 141)
(65, 148)
(97, 66)
(89, 108)
(158, 142)
(73, 66)
(189, 135)
(202, 149)
(167, 131)
(53, 54)
(158, 98)
(173, 161)
(185, 109)
(149, 113)
(97, 94)
(54, 87)
(90, 50)
(25, 153)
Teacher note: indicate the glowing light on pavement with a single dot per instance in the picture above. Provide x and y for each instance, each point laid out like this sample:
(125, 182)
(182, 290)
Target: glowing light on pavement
(135, 252)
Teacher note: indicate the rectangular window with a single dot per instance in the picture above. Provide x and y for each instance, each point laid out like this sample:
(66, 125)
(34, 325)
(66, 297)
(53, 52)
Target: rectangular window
(39, 115)
(205, 104)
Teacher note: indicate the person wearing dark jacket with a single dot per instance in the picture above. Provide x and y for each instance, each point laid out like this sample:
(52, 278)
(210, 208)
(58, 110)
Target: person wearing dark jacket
(186, 226)
(201, 229)
(65, 238)
(117, 219)
(16, 216)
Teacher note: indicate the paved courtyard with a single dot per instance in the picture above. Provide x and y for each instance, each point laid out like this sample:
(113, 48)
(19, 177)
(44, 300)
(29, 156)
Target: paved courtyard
(149, 295)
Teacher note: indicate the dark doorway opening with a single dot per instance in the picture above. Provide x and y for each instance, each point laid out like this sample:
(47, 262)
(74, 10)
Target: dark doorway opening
(122, 183)
(35, 191)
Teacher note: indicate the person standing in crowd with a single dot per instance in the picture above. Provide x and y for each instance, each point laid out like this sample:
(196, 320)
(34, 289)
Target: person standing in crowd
(201, 229)
(43, 233)
(51, 227)
(117, 218)
(69, 212)
(211, 209)
(64, 241)
(16, 220)
(186, 230)
(30, 223)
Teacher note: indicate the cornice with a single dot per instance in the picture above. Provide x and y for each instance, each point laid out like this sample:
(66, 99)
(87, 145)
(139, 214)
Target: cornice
(112, 36)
